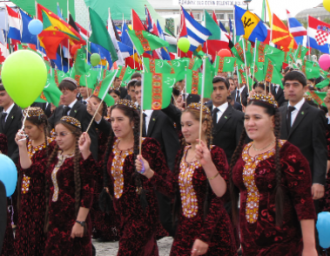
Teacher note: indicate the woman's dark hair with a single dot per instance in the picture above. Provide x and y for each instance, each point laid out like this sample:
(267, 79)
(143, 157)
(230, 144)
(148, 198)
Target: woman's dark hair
(114, 91)
(279, 195)
(77, 180)
(262, 86)
(177, 199)
(104, 105)
(105, 197)
(296, 75)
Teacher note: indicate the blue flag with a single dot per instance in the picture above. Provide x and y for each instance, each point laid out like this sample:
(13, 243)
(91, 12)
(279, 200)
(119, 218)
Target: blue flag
(27, 37)
(124, 36)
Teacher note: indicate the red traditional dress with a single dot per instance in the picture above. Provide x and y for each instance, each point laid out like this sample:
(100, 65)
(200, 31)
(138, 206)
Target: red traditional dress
(104, 224)
(62, 217)
(138, 228)
(8, 240)
(255, 178)
(30, 237)
(215, 228)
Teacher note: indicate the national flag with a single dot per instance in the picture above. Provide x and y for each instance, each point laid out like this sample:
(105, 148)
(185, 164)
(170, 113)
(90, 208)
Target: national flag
(144, 41)
(318, 97)
(311, 69)
(101, 90)
(125, 37)
(148, 21)
(118, 31)
(164, 50)
(318, 34)
(224, 64)
(157, 90)
(4, 53)
(218, 40)
(275, 55)
(241, 52)
(249, 25)
(112, 34)
(231, 28)
(295, 28)
(14, 21)
(172, 41)
(125, 74)
(243, 78)
(301, 52)
(125, 50)
(27, 37)
(193, 30)
(179, 67)
(156, 66)
(281, 36)
(105, 54)
(272, 74)
(59, 12)
(136, 22)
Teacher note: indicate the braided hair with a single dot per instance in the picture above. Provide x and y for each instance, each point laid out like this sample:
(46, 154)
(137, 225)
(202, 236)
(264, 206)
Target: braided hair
(77, 179)
(105, 197)
(279, 193)
(208, 133)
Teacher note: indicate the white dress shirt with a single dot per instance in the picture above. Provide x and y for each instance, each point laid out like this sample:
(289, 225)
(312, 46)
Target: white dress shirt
(222, 108)
(8, 111)
(296, 111)
(148, 117)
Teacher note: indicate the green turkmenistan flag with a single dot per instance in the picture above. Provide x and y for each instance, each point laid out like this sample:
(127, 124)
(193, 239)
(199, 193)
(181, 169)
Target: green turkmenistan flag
(91, 77)
(276, 56)
(272, 75)
(238, 51)
(59, 76)
(157, 90)
(224, 64)
(301, 52)
(242, 78)
(323, 84)
(100, 35)
(318, 97)
(289, 56)
(156, 66)
(208, 74)
(125, 74)
(101, 90)
(311, 69)
(193, 63)
(259, 72)
(144, 41)
(50, 93)
(179, 68)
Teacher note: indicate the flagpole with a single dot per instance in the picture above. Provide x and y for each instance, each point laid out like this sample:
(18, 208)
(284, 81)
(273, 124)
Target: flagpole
(141, 113)
(247, 77)
(69, 55)
(254, 58)
(98, 107)
(36, 6)
(86, 86)
(202, 99)
(185, 86)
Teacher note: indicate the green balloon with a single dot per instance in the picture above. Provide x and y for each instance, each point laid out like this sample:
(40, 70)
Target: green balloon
(184, 44)
(95, 59)
(24, 76)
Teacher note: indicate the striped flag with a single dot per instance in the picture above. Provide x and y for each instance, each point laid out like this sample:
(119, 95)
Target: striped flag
(14, 21)
(295, 28)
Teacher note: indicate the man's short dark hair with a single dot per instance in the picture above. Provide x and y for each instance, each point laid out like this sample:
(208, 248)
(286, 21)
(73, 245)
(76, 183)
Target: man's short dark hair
(138, 84)
(68, 84)
(136, 75)
(131, 84)
(2, 88)
(296, 75)
(219, 79)
(116, 78)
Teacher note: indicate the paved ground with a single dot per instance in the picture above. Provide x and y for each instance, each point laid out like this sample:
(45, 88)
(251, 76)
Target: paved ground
(110, 248)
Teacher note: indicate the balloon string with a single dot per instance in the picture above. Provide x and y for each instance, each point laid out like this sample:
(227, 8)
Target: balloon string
(11, 209)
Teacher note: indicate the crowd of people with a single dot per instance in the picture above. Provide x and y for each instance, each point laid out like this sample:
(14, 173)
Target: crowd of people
(244, 173)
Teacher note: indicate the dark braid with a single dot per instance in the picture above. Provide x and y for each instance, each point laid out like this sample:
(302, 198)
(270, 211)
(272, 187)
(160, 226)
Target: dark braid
(77, 178)
(50, 160)
(232, 189)
(46, 141)
(105, 201)
(137, 178)
(279, 196)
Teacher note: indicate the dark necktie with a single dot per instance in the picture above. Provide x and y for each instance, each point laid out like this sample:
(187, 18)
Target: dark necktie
(66, 110)
(237, 97)
(84, 102)
(3, 120)
(288, 117)
(144, 130)
(215, 116)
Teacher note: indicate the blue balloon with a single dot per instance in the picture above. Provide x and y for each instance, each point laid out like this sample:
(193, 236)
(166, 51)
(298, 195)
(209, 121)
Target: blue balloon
(35, 27)
(323, 228)
(8, 174)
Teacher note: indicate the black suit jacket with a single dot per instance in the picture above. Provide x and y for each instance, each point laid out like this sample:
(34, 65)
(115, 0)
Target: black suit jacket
(279, 95)
(44, 106)
(228, 130)
(244, 96)
(123, 92)
(192, 98)
(161, 128)
(80, 113)
(13, 124)
(308, 134)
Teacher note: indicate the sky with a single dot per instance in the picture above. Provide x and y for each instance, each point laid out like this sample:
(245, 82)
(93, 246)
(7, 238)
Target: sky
(279, 7)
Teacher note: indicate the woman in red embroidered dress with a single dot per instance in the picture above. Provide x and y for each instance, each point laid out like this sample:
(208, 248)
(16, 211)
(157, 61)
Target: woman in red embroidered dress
(134, 198)
(30, 237)
(199, 187)
(69, 194)
(277, 215)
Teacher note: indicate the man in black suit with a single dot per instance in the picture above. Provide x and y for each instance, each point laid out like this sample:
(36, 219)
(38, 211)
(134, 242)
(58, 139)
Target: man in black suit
(278, 94)
(227, 122)
(304, 126)
(240, 94)
(159, 126)
(187, 98)
(72, 107)
(46, 107)
(117, 86)
(11, 122)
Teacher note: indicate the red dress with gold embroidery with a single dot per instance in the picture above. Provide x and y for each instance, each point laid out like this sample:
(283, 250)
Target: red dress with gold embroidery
(255, 178)
(62, 217)
(30, 237)
(138, 229)
(216, 228)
